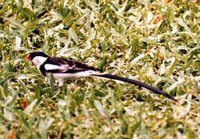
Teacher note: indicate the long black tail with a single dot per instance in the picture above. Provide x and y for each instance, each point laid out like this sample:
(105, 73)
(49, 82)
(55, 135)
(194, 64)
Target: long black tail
(155, 90)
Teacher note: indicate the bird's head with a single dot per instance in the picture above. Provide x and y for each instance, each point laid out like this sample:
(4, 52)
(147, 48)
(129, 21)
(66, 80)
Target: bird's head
(37, 58)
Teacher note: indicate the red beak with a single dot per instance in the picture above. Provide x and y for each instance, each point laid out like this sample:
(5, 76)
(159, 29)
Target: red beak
(28, 58)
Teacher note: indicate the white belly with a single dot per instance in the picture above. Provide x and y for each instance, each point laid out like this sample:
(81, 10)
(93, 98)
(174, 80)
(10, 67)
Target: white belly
(63, 76)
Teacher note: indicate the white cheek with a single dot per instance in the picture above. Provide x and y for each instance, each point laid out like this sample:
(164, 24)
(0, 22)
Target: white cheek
(36, 61)
(39, 61)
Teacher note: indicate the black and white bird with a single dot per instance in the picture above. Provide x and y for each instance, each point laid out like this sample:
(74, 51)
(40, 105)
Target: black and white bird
(61, 69)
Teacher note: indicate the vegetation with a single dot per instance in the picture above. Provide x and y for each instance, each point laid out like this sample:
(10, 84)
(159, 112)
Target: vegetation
(154, 41)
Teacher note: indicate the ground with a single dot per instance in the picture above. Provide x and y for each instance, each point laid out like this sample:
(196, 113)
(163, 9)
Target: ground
(154, 41)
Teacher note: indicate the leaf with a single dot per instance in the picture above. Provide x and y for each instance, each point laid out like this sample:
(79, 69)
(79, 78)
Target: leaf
(100, 108)
(29, 108)
(183, 24)
(172, 66)
(175, 84)
(27, 13)
(73, 35)
(25, 89)
(44, 125)
(23, 120)
(18, 42)
(8, 114)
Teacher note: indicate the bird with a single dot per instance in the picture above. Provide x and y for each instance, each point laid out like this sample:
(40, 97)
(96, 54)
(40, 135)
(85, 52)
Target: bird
(61, 69)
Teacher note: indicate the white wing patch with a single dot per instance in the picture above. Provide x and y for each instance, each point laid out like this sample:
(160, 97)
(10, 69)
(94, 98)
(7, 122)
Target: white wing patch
(56, 67)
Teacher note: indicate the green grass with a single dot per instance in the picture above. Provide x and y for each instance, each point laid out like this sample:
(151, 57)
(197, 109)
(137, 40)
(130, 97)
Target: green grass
(154, 41)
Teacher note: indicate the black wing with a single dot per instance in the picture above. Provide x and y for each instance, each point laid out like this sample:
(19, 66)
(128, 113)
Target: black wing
(63, 65)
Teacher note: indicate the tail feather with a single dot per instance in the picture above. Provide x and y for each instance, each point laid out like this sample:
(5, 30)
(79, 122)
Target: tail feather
(155, 90)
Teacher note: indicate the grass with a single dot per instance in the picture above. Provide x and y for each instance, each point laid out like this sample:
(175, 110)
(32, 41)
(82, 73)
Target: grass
(154, 41)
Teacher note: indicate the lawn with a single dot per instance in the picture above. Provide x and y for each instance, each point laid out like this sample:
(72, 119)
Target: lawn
(153, 41)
